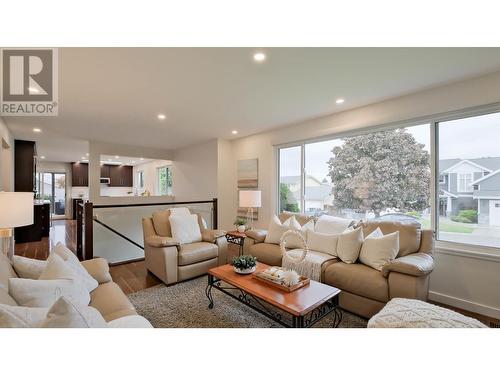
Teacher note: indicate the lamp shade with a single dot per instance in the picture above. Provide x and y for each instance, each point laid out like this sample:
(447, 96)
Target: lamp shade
(250, 198)
(16, 209)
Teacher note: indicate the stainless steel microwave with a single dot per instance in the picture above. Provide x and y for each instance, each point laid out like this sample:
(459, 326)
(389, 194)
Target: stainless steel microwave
(105, 180)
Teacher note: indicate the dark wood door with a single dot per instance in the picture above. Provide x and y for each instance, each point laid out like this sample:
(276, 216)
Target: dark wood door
(80, 174)
(24, 166)
(128, 178)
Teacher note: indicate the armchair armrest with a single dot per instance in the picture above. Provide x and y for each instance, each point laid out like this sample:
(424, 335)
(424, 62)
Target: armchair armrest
(98, 268)
(211, 235)
(258, 235)
(158, 241)
(419, 264)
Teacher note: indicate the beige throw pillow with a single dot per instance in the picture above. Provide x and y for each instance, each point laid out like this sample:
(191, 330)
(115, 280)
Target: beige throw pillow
(21, 316)
(332, 225)
(378, 251)
(325, 243)
(65, 314)
(73, 262)
(349, 245)
(276, 229)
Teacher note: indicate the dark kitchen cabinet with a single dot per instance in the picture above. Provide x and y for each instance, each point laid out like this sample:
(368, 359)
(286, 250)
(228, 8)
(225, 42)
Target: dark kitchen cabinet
(105, 171)
(24, 166)
(120, 176)
(40, 227)
(80, 174)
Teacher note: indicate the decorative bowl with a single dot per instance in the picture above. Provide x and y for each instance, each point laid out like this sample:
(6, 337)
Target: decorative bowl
(245, 271)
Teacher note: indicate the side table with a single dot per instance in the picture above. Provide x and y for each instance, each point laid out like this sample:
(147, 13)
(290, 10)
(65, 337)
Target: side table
(236, 238)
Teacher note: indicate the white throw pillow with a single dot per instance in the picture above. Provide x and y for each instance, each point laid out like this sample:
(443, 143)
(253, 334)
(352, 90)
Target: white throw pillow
(65, 314)
(377, 233)
(27, 268)
(21, 317)
(332, 224)
(324, 243)
(276, 229)
(185, 228)
(349, 245)
(57, 268)
(43, 293)
(376, 252)
(180, 211)
(74, 263)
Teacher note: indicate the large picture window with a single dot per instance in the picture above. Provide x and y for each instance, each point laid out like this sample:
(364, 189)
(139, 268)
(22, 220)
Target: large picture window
(469, 155)
(383, 174)
(164, 181)
(386, 174)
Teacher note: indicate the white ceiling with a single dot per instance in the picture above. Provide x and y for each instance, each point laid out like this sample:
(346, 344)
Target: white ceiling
(114, 94)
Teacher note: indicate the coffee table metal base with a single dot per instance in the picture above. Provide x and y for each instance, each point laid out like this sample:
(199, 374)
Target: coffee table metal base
(281, 317)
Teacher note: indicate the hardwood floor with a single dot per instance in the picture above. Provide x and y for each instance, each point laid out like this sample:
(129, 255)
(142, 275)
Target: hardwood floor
(133, 277)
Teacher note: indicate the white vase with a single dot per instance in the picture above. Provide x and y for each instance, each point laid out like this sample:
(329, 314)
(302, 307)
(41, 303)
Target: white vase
(245, 271)
(241, 228)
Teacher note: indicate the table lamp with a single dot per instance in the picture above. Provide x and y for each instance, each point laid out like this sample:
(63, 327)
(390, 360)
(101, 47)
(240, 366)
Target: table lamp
(250, 199)
(16, 210)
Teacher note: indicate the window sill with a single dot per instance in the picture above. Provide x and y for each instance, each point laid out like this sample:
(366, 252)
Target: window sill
(475, 252)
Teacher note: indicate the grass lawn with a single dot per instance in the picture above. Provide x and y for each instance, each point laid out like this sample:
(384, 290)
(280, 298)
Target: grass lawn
(449, 226)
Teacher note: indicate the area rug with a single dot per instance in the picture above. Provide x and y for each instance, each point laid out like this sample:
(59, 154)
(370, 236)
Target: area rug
(185, 305)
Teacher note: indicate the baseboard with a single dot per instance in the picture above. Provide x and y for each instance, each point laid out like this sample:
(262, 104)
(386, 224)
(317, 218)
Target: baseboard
(478, 308)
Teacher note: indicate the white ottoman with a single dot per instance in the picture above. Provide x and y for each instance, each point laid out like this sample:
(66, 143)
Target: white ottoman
(412, 313)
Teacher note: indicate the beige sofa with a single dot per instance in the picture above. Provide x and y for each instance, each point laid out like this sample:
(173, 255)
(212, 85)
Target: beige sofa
(365, 291)
(172, 262)
(108, 298)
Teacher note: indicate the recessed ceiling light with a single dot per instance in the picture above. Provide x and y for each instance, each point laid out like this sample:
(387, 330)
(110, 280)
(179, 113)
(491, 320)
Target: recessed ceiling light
(117, 156)
(339, 101)
(33, 89)
(37, 130)
(142, 159)
(161, 116)
(42, 157)
(259, 56)
(234, 132)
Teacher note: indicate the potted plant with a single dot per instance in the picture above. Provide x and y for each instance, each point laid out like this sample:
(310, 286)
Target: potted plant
(244, 264)
(240, 224)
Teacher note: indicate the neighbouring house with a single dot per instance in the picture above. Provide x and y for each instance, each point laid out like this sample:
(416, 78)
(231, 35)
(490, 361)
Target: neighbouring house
(318, 194)
(470, 184)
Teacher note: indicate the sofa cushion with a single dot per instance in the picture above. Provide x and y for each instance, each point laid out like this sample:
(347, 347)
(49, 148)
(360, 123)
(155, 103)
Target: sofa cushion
(161, 223)
(349, 245)
(332, 224)
(377, 252)
(409, 234)
(197, 252)
(74, 263)
(111, 302)
(267, 253)
(358, 279)
(130, 321)
(21, 316)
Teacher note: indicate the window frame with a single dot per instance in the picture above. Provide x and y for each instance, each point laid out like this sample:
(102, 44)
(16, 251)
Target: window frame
(470, 250)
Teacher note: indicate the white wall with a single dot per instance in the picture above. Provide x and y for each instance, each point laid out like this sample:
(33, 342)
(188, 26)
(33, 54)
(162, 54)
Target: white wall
(6, 158)
(194, 171)
(458, 280)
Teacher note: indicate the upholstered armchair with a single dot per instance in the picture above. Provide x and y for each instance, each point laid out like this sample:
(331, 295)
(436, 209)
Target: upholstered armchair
(171, 261)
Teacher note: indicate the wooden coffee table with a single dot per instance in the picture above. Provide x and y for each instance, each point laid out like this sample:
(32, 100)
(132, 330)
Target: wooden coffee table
(298, 309)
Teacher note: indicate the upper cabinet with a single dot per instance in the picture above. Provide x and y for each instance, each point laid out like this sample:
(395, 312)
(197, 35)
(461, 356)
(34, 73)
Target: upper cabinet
(80, 174)
(120, 176)
(24, 165)
(105, 171)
